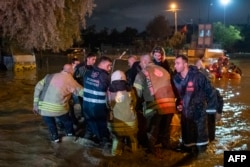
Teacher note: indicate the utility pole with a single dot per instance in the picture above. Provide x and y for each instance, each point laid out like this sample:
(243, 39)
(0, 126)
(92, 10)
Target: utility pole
(173, 8)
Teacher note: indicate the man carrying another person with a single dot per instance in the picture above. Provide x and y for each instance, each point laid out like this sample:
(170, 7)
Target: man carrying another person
(51, 100)
(154, 85)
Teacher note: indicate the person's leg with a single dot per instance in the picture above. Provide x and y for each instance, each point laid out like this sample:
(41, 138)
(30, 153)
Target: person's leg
(153, 131)
(51, 124)
(202, 138)
(67, 123)
(165, 127)
(201, 148)
(133, 142)
(90, 122)
(80, 99)
(59, 124)
(142, 129)
(185, 129)
(211, 126)
(72, 110)
(117, 145)
(102, 131)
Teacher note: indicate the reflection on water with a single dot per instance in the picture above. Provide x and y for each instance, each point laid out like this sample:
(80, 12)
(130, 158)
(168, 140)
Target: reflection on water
(235, 124)
(232, 132)
(25, 75)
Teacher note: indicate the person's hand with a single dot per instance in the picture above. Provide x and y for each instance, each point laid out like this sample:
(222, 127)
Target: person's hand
(218, 117)
(179, 108)
(111, 116)
(35, 110)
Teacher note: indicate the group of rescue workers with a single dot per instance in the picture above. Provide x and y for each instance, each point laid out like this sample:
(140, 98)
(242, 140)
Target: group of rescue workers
(221, 68)
(135, 107)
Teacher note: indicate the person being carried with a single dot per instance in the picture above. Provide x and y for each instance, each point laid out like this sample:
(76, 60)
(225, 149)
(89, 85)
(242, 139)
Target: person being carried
(123, 122)
(51, 100)
(134, 69)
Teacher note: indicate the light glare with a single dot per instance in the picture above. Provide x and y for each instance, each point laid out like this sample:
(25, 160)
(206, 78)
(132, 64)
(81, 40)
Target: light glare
(173, 6)
(225, 2)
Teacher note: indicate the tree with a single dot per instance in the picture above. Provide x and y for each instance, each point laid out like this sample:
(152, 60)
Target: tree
(226, 36)
(158, 28)
(103, 35)
(178, 40)
(44, 24)
(243, 45)
(129, 35)
(114, 37)
(89, 35)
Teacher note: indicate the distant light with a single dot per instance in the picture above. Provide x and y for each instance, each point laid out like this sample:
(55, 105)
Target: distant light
(215, 50)
(225, 2)
(173, 6)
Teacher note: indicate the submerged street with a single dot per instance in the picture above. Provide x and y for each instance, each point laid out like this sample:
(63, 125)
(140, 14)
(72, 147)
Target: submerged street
(24, 138)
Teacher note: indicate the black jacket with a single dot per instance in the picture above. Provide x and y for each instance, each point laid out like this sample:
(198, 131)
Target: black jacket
(195, 91)
(132, 72)
(80, 71)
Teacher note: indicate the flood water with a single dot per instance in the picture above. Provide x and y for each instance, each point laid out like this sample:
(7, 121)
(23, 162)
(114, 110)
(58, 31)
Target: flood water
(24, 138)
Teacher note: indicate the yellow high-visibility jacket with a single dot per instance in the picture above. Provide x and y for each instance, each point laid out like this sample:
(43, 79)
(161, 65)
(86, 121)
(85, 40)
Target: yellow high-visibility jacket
(57, 96)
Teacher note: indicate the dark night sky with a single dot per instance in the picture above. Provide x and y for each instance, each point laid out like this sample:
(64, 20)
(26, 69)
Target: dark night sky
(137, 13)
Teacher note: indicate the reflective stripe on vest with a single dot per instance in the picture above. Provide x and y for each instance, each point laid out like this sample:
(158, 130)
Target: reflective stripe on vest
(94, 92)
(162, 103)
(46, 106)
(97, 96)
(138, 86)
(91, 100)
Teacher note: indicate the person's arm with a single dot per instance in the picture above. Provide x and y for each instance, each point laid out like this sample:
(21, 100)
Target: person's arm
(109, 105)
(75, 87)
(78, 89)
(134, 98)
(178, 102)
(220, 104)
(211, 95)
(138, 84)
(38, 89)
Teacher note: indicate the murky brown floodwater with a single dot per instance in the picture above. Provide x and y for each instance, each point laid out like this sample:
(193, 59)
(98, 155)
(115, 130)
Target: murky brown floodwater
(24, 138)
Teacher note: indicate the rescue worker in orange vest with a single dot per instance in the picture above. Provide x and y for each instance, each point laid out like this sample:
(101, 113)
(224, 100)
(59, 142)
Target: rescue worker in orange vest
(154, 85)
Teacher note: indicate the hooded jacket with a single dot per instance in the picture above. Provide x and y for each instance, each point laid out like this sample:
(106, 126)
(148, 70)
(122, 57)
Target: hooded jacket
(122, 101)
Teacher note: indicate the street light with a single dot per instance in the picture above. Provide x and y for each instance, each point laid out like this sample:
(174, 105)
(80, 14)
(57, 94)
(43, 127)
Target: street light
(225, 3)
(173, 8)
